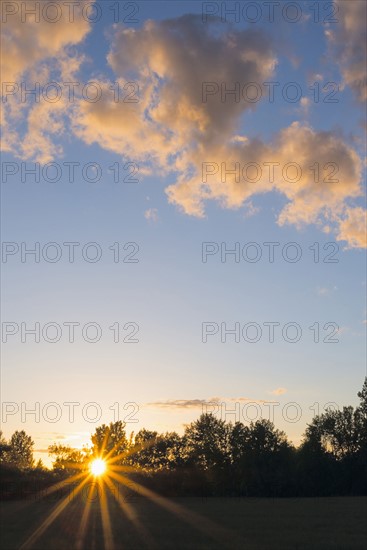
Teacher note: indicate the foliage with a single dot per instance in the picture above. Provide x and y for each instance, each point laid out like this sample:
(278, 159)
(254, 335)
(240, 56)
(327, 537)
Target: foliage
(18, 451)
(110, 440)
(65, 458)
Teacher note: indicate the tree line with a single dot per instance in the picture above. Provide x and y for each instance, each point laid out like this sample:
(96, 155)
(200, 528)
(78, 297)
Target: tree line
(216, 458)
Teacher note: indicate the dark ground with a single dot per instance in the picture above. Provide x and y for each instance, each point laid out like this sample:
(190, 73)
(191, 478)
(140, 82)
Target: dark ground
(192, 523)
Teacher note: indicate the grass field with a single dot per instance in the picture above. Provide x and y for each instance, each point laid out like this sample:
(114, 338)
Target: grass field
(312, 523)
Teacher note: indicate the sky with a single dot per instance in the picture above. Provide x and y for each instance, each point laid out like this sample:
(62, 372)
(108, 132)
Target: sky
(195, 172)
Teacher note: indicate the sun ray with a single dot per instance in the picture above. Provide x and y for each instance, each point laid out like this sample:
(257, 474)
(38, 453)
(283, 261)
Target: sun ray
(131, 515)
(73, 466)
(52, 517)
(103, 470)
(61, 484)
(199, 522)
(146, 445)
(83, 526)
(106, 520)
(105, 441)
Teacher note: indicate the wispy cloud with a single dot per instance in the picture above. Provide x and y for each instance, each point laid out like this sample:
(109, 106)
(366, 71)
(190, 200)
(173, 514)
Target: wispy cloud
(201, 403)
(324, 290)
(347, 40)
(278, 391)
(250, 209)
(180, 403)
(151, 214)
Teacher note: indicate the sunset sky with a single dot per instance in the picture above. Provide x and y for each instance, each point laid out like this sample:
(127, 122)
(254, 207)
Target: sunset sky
(179, 144)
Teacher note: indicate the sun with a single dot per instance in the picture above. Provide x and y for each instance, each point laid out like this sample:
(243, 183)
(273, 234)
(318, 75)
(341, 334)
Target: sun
(98, 467)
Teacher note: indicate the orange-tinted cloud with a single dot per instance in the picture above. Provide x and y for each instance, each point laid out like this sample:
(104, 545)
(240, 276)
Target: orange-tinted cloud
(27, 42)
(353, 228)
(279, 391)
(348, 42)
(173, 120)
(37, 51)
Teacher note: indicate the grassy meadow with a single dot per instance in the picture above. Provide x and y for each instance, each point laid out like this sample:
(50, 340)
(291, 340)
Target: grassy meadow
(189, 523)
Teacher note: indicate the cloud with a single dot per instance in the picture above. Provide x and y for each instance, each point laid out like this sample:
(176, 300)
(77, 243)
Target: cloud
(279, 391)
(250, 209)
(52, 436)
(324, 291)
(201, 403)
(163, 121)
(243, 400)
(37, 53)
(151, 214)
(313, 198)
(352, 228)
(170, 60)
(348, 43)
(180, 404)
(175, 130)
(342, 330)
(29, 42)
(305, 104)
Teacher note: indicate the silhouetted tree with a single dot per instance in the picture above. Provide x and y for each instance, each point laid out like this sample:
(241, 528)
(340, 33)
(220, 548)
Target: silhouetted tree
(363, 398)
(20, 453)
(40, 465)
(4, 448)
(69, 460)
(315, 470)
(332, 457)
(206, 443)
(110, 440)
(156, 451)
(262, 459)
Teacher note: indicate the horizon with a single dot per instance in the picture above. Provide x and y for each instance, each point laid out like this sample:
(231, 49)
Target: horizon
(217, 409)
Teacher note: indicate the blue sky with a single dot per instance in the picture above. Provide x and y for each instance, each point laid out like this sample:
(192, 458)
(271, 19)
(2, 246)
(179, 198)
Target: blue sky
(170, 292)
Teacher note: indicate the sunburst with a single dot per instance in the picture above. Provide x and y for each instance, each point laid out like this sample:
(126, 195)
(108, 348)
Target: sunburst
(104, 471)
(98, 467)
